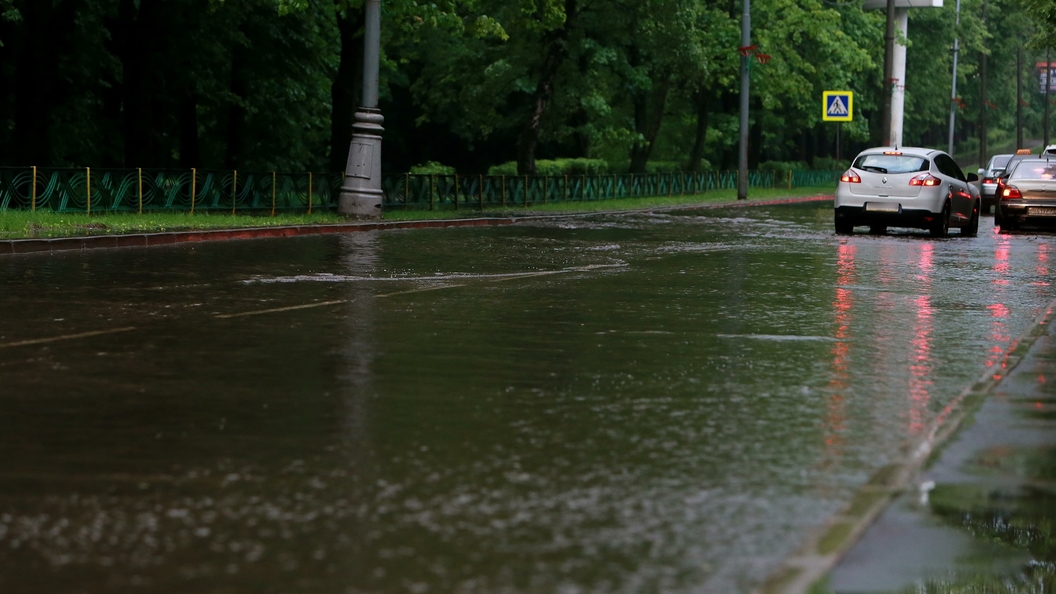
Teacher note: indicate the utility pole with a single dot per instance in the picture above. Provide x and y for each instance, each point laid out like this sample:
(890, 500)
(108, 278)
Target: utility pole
(742, 156)
(1019, 97)
(361, 189)
(953, 87)
(983, 107)
(889, 60)
(1048, 86)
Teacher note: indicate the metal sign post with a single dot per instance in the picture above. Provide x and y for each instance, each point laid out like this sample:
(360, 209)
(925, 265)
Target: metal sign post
(837, 106)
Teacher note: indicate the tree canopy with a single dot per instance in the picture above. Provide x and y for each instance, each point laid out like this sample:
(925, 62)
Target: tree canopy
(642, 84)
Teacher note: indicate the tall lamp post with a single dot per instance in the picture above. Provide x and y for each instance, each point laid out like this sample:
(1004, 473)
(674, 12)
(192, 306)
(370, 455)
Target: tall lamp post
(954, 104)
(895, 62)
(747, 52)
(742, 150)
(361, 188)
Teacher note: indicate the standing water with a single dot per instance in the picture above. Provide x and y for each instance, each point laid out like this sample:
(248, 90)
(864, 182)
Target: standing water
(640, 403)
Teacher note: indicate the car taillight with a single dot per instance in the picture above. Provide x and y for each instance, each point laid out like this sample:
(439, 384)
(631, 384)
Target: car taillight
(1011, 192)
(925, 179)
(850, 177)
(988, 180)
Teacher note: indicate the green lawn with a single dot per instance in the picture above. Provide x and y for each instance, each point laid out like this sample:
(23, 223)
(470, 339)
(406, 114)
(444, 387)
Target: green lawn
(23, 224)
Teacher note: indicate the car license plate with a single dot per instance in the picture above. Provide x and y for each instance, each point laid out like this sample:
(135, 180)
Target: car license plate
(880, 207)
(1039, 211)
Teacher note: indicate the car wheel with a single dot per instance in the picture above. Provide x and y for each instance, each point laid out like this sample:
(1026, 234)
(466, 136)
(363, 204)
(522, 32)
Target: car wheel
(940, 227)
(972, 228)
(843, 227)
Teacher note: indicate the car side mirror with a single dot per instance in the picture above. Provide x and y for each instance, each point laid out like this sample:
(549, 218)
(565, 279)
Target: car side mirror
(981, 171)
(973, 177)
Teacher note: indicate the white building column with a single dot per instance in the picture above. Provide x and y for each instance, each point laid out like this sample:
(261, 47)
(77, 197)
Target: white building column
(898, 72)
(897, 87)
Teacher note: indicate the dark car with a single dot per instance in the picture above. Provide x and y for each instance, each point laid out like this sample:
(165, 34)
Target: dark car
(988, 185)
(999, 180)
(1029, 194)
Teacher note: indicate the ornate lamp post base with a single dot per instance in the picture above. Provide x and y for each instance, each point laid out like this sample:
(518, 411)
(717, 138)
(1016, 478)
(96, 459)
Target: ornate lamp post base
(361, 190)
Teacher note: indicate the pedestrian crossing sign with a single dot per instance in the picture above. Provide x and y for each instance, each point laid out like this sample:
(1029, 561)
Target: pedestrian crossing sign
(837, 106)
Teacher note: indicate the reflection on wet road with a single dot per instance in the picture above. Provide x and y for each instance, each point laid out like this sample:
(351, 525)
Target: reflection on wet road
(635, 403)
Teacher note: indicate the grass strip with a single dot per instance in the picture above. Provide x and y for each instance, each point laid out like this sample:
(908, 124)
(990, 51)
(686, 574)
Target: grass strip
(19, 224)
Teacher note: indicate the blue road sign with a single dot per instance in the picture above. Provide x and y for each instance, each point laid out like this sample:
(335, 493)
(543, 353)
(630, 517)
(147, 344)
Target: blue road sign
(837, 106)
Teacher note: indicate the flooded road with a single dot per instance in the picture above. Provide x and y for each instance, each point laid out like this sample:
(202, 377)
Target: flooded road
(636, 403)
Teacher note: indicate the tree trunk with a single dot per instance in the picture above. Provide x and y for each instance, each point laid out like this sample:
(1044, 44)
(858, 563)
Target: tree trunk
(236, 113)
(556, 53)
(190, 153)
(701, 101)
(35, 81)
(648, 127)
(139, 37)
(347, 86)
(580, 140)
(755, 139)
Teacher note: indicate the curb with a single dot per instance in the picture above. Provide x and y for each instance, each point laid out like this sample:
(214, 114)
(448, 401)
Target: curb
(813, 560)
(58, 244)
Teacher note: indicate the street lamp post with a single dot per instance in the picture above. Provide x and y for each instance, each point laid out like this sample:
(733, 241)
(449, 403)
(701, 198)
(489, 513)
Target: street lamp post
(953, 87)
(361, 188)
(742, 151)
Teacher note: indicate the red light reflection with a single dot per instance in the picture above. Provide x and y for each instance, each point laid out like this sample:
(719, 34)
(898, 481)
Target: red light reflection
(999, 312)
(836, 414)
(920, 364)
(1043, 265)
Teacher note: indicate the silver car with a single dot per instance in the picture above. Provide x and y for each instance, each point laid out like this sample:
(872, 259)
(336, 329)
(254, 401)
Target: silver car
(988, 187)
(906, 187)
(1029, 194)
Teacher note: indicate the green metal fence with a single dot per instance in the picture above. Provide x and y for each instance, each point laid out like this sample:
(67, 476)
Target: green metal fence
(137, 190)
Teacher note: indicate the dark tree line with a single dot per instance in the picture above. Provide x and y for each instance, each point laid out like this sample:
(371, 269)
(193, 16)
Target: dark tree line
(273, 84)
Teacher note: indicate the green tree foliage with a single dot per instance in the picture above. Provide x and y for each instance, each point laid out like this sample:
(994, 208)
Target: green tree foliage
(273, 84)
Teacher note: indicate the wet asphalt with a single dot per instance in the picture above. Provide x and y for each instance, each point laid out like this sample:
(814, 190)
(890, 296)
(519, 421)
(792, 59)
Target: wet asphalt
(651, 402)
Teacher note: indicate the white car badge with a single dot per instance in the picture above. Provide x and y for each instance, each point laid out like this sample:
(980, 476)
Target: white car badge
(884, 180)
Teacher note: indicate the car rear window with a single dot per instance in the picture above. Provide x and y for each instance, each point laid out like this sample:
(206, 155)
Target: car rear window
(1011, 166)
(1000, 161)
(1034, 170)
(891, 163)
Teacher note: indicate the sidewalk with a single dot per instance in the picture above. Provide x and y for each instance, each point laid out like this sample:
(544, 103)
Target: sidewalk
(969, 508)
(982, 516)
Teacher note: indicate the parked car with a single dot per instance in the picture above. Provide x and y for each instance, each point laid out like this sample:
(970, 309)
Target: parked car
(906, 187)
(988, 185)
(1011, 165)
(1029, 194)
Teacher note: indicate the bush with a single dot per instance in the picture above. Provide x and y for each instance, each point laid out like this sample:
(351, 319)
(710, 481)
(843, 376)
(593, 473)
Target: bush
(555, 167)
(509, 168)
(783, 166)
(666, 166)
(660, 166)
(432, 168)
(705, 165)
(830, 164)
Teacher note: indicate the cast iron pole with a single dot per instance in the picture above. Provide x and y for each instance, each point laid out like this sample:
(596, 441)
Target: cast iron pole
(1019, 98)
(953, 87)
(1048, 86)
(889, 59)
(361, 189)
(983, 108)
(742, 156)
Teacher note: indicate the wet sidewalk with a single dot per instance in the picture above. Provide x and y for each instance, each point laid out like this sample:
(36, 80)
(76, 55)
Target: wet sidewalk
(982, 516)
